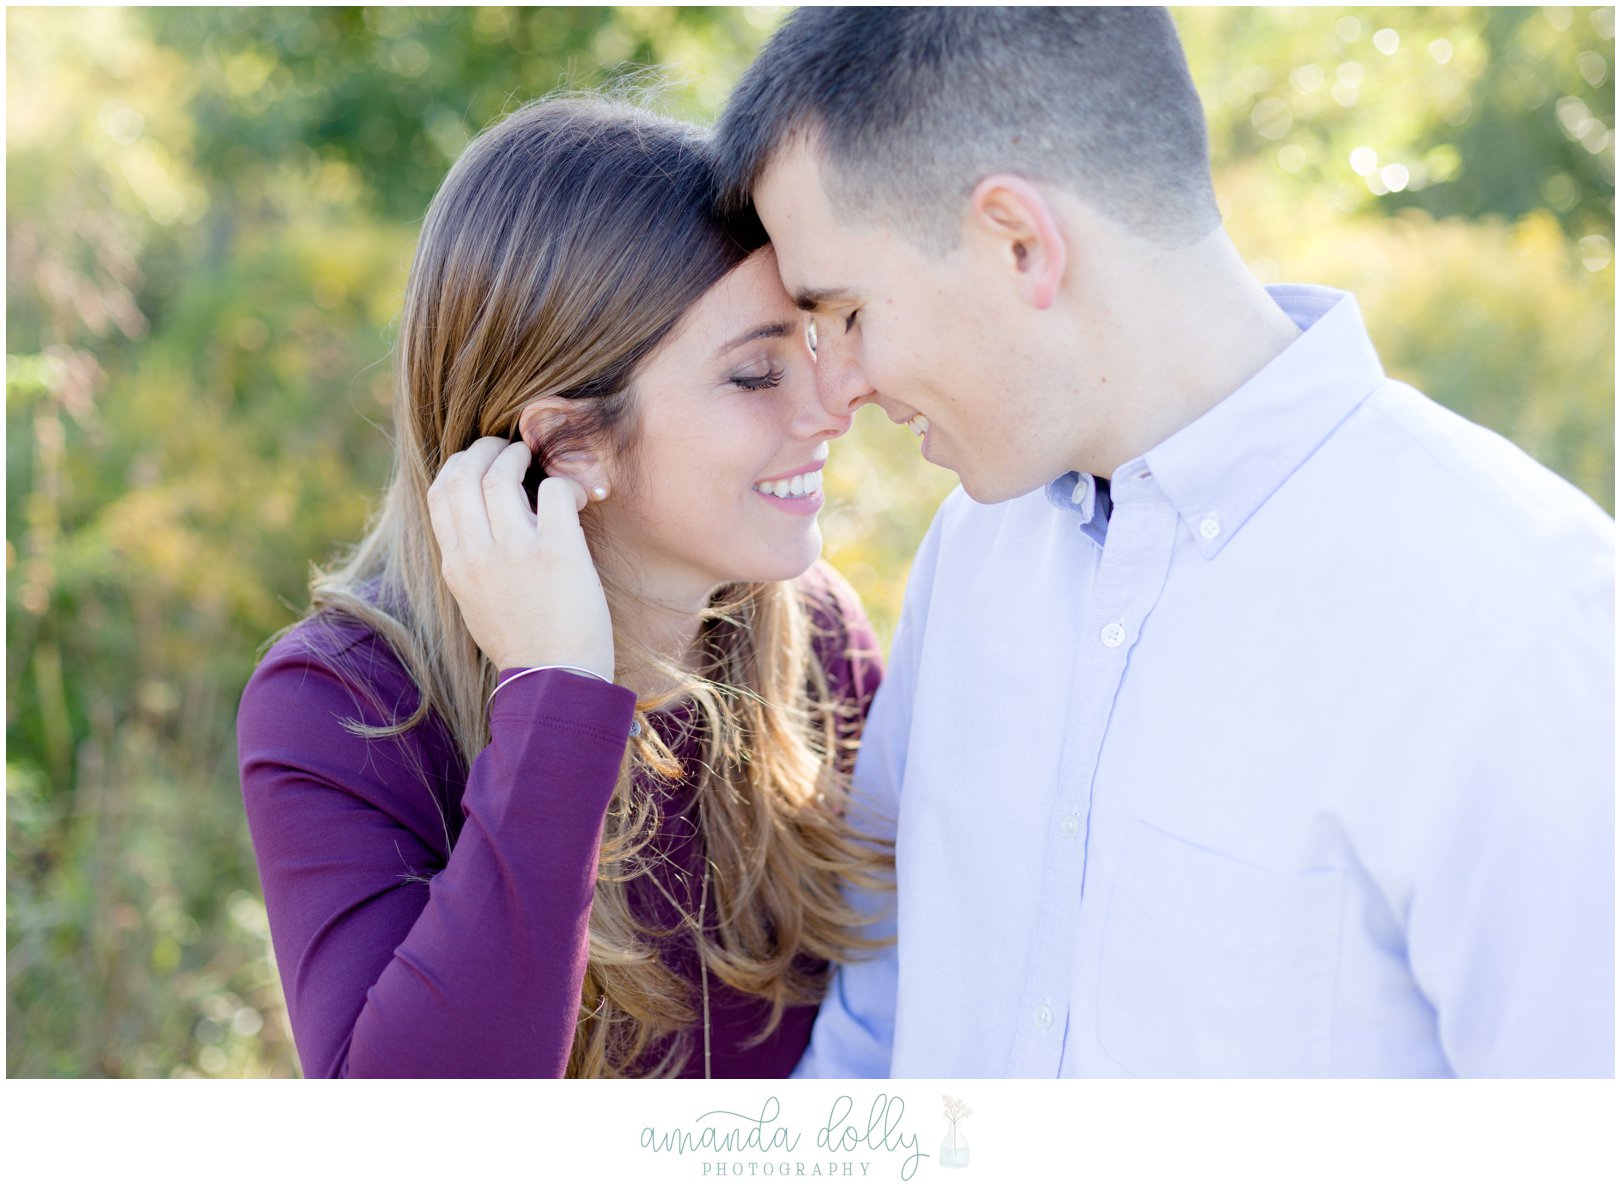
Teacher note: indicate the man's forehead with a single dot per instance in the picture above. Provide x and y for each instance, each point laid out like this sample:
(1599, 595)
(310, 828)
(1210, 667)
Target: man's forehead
(790, 189)
(815, 244)
(799, 156)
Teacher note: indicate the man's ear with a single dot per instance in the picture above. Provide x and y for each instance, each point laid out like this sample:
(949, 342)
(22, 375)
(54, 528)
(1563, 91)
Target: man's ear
(1020, 225)
(550, 427)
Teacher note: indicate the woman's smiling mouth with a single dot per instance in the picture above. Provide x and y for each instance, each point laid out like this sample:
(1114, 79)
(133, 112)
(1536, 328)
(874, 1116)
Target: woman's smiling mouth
(799, 493)
(803, 483)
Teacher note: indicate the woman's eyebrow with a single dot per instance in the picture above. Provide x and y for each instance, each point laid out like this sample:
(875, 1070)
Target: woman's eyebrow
(766, 330)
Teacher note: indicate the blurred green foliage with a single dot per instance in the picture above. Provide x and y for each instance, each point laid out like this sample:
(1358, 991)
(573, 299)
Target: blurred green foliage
(210, 214)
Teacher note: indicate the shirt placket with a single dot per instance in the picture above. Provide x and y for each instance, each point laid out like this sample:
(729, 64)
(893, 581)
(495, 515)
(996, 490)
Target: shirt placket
(1136, 557)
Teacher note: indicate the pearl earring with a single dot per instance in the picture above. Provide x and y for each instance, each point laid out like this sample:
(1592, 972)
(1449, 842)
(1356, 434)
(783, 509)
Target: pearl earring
(599, 492)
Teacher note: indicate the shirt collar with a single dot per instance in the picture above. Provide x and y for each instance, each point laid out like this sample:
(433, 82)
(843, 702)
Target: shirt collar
(1078, 495)
(1223, 466)
(1220, 468)
(1075, 493)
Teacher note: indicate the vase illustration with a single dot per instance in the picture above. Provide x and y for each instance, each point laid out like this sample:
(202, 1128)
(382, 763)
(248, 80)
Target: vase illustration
(954, 1147)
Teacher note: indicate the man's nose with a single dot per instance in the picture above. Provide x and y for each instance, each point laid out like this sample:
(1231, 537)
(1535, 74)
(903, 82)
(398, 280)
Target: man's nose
(841, 385)
(817, 419)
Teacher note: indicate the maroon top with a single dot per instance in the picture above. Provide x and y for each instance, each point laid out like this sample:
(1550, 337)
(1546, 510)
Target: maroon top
(403, 954)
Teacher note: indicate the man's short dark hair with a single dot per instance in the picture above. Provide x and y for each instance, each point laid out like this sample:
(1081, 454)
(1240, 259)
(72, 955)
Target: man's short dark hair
(910, 107)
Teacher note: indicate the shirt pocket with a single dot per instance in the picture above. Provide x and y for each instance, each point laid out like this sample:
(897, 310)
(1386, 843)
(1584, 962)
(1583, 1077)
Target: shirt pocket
(1213, 967)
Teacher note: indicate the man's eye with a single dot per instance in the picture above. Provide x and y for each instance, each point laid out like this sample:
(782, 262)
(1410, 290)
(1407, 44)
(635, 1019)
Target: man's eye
(810, 335)
(757, 383)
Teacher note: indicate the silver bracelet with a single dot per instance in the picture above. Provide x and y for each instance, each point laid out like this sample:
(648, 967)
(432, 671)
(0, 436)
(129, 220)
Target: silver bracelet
(541, 669)
(635, 728)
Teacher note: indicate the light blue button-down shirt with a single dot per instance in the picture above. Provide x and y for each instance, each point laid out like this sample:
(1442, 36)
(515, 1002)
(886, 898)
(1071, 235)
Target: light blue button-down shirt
(1300, 763)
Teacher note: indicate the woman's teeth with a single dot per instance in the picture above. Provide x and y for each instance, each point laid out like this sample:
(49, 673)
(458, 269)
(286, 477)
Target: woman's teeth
(919, 424)
(788, 488)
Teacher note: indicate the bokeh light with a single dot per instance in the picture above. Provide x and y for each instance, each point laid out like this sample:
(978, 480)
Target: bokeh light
(210, 215)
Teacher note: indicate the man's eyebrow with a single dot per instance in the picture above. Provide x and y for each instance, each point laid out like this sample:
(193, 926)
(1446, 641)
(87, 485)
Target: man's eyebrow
(766, 330)
(811, 300)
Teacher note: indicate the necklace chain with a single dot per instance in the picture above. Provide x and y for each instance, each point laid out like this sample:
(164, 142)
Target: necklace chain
(703, 966)
(697, 933)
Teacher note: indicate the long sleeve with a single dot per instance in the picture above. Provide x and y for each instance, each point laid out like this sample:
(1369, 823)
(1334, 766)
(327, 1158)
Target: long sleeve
(1509, 903)
(855, 1028)
(401, 954)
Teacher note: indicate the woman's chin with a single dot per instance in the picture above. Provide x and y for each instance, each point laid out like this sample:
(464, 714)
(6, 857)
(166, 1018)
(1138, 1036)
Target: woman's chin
(784, 564)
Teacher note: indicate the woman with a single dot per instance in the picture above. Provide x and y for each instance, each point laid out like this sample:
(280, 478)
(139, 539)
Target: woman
(550, 783)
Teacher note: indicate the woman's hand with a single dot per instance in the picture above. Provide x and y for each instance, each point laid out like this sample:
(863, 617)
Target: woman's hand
(525, 582)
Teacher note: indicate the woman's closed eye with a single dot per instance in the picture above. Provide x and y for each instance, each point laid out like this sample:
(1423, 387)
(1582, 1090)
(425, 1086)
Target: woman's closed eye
(759, 382)
(850, 321)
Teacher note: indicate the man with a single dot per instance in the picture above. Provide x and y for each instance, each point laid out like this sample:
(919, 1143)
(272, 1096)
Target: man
(1250, 714)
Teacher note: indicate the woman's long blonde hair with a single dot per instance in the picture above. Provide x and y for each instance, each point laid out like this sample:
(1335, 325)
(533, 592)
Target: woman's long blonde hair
(564, 246)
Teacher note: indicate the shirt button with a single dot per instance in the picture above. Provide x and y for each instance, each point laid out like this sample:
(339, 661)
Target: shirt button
(1210, 529)
(1044, 1016)
(1113, 636)
(1072, 825)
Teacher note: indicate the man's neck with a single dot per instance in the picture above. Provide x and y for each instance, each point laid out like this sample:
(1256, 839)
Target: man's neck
(1191, 328)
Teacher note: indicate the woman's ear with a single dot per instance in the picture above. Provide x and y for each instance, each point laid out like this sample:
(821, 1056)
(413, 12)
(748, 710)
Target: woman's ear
(1014, 218)
(550, 427)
